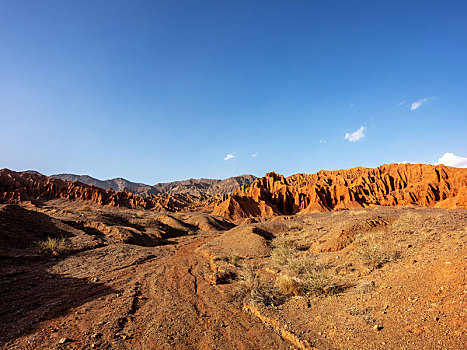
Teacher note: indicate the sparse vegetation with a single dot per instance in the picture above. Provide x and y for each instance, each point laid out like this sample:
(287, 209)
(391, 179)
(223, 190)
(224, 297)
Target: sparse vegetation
(317, 283)
(375, 255)
(295, 227)
(301, 275)
(289, 286)
(235, 260)
(252, 289)
(312, 276)
(284, 251)
(52, 246)
(405, 221)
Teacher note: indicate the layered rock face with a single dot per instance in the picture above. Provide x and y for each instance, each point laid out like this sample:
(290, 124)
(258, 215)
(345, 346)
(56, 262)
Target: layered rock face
(18, 187)
(389, 185)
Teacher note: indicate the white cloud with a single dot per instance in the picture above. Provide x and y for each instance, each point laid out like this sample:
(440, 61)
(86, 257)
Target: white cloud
(356, 136)
(402, 103)
(405, 162)
(450, 159)
(230, 156)
(254, 154)
(417, 104)
(323, 141)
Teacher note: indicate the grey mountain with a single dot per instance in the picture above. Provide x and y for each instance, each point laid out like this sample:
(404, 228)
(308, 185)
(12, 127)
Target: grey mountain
(196, 187)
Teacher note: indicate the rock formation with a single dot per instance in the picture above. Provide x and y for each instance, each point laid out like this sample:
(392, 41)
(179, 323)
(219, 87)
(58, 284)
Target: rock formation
(207, 187)
(18, 187)
(389, 185)
(193, 187)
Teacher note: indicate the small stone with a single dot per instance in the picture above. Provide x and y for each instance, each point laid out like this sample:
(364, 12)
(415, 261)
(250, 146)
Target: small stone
(63, 340)
(377, 327)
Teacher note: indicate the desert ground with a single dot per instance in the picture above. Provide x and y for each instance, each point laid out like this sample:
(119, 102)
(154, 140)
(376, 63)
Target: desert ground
(76, 275)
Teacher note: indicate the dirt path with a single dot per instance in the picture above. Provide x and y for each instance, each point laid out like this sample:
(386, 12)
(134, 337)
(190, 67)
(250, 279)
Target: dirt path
(161, 300)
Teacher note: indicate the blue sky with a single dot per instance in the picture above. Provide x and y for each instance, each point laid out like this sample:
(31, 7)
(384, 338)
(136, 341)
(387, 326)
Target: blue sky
(164, 90)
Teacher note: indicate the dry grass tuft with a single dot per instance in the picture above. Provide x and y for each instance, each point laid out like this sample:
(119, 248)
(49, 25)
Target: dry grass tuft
(284, 251)
(301, 275)
(52, 246)
(235, 260)
(405, 221)
(289, 286)
(375, 255)
(318, 283)
(252, 289)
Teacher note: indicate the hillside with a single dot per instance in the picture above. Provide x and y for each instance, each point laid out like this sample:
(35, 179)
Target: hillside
(115, 278)
(194, 187)
(117, 184)
(85, 267)
(389, 185)
(210, 187)
(17, 187)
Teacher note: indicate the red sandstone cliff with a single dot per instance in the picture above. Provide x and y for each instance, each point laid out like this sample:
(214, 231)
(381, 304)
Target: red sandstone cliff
(394, 184)
(17, 187)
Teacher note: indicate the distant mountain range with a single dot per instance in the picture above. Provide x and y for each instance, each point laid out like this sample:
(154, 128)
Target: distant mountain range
(194, 187)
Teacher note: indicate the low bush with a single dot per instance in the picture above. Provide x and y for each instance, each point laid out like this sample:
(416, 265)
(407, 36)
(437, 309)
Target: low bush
(375, 255)
(284, 251)
(52, 246)
(289, 286)
(234, 260)
(251, 289)
(301, 275)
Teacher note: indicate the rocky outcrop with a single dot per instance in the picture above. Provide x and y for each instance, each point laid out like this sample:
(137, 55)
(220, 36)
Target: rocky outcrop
(208, 187)
(192, 187)
(389, 185)
(18, 187)
(117, 184)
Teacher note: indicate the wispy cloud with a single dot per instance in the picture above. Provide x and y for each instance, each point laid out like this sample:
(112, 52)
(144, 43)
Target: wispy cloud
(402, 103)
(417, 104)
(323, 141)
(450, 159)
(230, 156)
(356, 136)
(351, 106)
